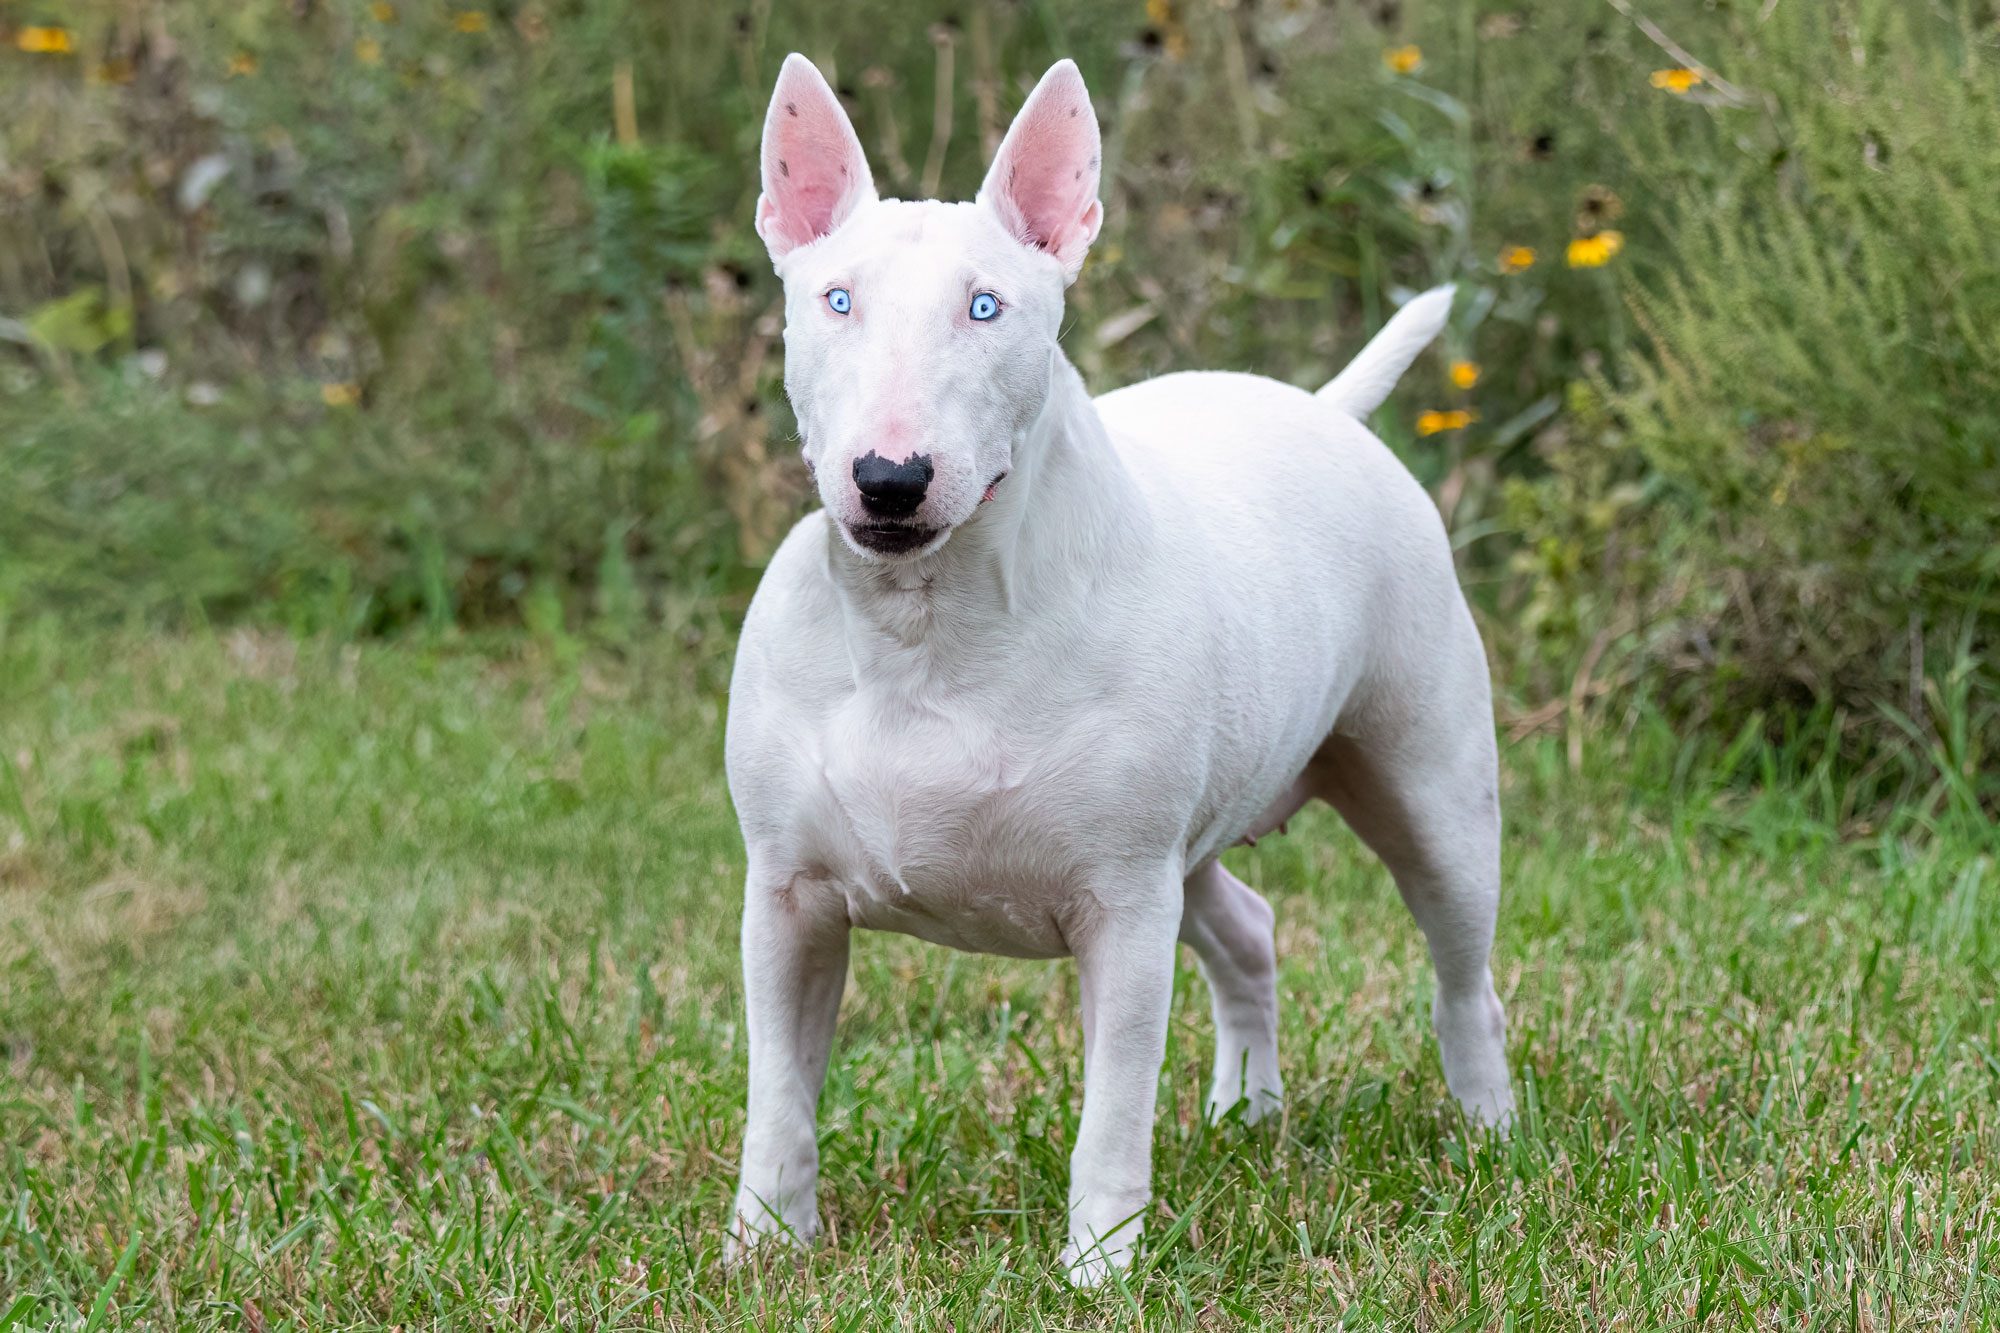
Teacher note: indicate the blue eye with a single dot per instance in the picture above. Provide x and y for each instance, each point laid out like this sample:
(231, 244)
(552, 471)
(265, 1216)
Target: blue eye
(840, 300)
(985, 305)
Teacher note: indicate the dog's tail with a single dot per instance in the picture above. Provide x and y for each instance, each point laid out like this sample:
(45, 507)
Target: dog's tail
(1360, 389)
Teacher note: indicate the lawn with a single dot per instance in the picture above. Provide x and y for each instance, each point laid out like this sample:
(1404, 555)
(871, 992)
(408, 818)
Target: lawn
(395, 984)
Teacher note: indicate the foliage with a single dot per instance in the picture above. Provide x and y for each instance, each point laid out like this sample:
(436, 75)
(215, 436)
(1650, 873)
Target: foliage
(1795, 495)
(457, 308)
(441, 243)
(379, 984)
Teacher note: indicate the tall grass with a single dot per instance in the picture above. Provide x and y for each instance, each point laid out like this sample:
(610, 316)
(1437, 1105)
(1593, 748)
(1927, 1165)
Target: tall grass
(357, 316)
(1790, 502)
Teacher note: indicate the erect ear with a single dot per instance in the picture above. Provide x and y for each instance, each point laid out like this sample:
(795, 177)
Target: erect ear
(814, 171)
(1043, 181)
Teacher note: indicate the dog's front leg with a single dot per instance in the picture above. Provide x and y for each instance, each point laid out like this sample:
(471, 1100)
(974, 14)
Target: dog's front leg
(1126, 966)
(794, 968)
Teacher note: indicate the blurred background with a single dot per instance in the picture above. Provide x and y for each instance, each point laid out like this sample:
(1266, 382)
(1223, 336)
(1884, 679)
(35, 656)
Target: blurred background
(369, 319)
(391, 437)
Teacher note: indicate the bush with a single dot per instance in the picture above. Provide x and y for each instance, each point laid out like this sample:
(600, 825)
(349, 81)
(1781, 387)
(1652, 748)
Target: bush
(464, 302)
(1793, 499)
(369, 314)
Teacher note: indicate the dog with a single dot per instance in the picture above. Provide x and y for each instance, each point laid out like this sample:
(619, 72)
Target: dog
(1039, 659)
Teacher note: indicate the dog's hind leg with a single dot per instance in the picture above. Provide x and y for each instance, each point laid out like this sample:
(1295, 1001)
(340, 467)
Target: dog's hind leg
(1425, 796)
(1230, 928)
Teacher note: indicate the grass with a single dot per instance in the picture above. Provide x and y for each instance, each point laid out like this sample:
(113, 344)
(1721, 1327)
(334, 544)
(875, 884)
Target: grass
(395, 985)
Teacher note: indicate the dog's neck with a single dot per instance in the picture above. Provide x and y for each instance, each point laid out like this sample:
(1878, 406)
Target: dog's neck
(1032, 551)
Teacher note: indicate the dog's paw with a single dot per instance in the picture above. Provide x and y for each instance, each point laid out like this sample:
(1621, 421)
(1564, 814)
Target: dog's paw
(1091, 1263)
(1487, 1100)
(1494, 1114)
(756, 1235)
(1094, 1253)
(1259, 1105)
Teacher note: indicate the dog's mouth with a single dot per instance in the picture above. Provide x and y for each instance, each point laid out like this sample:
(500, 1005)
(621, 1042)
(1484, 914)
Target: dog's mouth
(892, 538)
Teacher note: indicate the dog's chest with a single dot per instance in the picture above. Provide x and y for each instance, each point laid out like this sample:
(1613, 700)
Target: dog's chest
(936, 830)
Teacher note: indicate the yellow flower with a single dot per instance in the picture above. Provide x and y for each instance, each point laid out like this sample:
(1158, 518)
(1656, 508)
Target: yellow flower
(1165, 15)
(1465, 374)
(383, 11)
(1595, 251)
(242, 65)
(1403, 59)
(469, 20)
(1514, 258)
(340, 395)
(1431, 423)
(368, 51)
(1676, 81)
(40, 41)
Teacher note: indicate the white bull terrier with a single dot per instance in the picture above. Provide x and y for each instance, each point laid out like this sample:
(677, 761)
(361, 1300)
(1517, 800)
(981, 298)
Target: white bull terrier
(1040, 658)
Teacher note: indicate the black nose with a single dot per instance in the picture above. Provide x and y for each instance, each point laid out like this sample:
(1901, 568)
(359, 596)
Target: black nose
(892, 490)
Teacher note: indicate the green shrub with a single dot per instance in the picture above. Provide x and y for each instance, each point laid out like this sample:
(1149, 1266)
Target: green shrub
(367, 315)
(473, 334)
(1794, 498)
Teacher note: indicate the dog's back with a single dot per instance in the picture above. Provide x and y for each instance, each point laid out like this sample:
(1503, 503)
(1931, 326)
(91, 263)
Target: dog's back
(1303, 513)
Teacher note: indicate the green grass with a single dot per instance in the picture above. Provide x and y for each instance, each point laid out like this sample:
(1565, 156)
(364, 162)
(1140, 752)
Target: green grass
(396, 985)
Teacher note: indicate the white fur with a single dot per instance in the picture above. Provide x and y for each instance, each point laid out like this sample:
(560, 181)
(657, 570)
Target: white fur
(1190, 606)
(1362, 387)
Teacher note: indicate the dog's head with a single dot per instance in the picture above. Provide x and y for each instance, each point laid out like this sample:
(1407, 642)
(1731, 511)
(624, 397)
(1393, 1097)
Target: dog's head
(920, 337)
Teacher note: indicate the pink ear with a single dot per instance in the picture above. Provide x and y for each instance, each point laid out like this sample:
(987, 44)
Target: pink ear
(1043, 181)
(814, 171)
